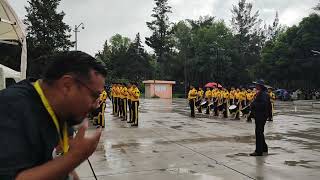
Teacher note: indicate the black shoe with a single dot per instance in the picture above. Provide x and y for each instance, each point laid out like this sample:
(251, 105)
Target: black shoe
(256, 154)
(236, 118)
(134, 125)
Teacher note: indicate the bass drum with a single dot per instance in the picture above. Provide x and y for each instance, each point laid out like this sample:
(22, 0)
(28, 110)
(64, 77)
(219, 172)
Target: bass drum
(233, 109)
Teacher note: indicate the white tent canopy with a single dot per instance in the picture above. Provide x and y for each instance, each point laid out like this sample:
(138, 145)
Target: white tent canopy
(12, 32)
(10, 73)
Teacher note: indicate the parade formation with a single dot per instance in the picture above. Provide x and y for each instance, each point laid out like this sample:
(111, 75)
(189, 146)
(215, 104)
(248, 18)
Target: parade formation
(125, 104)
(218, 101)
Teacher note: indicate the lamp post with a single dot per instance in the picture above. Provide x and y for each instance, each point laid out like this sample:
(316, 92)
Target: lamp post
(76, 30)
(219, 63)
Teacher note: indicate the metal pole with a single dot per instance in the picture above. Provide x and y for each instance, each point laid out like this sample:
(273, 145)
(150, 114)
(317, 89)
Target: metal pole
(76, 34)
(76, 37)
(185, 75)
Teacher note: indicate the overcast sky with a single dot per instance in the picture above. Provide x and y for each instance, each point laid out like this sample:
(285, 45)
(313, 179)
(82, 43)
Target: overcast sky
(104, 18)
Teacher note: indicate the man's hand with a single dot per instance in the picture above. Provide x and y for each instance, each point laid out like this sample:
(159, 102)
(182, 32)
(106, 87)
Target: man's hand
(82, 146)
(74, 175)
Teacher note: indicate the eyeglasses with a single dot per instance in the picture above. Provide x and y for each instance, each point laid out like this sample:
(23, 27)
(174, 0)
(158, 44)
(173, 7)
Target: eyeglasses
(94, 94)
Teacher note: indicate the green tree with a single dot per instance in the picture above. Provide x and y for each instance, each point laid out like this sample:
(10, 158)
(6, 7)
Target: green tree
(46, 31)
(125, 60)
(317, 8)
(139, 66)
(249, 38)
(289, 61)
(160, 40)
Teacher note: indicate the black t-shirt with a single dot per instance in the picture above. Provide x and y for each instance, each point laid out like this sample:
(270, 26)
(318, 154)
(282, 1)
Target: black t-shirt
(261, 106)
(28, 134)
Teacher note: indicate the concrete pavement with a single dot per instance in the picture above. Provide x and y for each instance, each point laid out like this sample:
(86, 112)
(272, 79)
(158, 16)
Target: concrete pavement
(170, 145)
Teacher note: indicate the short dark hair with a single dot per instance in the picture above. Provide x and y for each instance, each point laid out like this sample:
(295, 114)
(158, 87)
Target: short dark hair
(71, 62)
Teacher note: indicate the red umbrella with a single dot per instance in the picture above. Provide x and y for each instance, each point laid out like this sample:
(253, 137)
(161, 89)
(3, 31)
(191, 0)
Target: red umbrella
(212, 85)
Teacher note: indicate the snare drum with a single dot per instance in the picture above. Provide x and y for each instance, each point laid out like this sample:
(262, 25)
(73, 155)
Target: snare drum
(232, 109)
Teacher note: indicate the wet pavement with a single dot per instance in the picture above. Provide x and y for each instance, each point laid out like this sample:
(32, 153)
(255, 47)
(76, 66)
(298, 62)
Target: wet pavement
(169, 145)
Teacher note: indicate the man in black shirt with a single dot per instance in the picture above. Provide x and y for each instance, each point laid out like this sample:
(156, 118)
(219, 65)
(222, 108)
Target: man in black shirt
(31, 132)
(261, 107)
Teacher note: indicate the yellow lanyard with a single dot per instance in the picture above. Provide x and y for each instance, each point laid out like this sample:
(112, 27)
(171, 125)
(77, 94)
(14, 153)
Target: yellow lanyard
(63, 140)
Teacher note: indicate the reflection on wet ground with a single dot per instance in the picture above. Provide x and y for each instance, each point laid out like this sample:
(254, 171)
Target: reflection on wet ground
(168, 144)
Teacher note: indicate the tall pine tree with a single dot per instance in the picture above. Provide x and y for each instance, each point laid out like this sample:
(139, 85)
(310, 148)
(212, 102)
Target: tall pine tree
(249, 38)
(160, 40)
(46, 31)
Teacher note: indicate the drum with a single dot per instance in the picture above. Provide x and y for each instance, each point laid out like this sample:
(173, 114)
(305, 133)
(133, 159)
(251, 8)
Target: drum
(198, 103)
(246, 110)
(204, 104)
(220, 107)
(233, 109)
(211, 106)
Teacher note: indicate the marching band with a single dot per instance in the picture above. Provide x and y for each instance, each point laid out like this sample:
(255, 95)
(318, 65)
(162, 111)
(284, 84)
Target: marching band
(233, 103)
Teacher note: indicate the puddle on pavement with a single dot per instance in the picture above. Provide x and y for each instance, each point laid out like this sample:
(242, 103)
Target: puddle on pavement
(197, 175)
(238, 154)
(301, 163)
(121, 145)
(283, 149)
(123, 151)
(176, 127)
(238, 139)
(308, 138)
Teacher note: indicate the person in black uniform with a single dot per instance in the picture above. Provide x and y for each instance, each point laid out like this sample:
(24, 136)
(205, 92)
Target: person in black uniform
(261, 106)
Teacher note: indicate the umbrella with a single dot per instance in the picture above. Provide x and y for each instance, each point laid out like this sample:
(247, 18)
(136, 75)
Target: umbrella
(212, 85)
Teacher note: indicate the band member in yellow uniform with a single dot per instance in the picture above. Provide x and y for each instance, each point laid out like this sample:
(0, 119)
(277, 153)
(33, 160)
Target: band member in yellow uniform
(238, 103)
(102, 107)
(226, 99)
(208, 96)
(272, 99)
(119, 100)
(121, 108)
(252, 97)
(116, 99)
(216, 96)
(112, 99)
(192, 96)
(135, 105)
(199, 99)
(243, 98)
(125, 103)
(129, 97)
(220, 101)
(232, 96)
